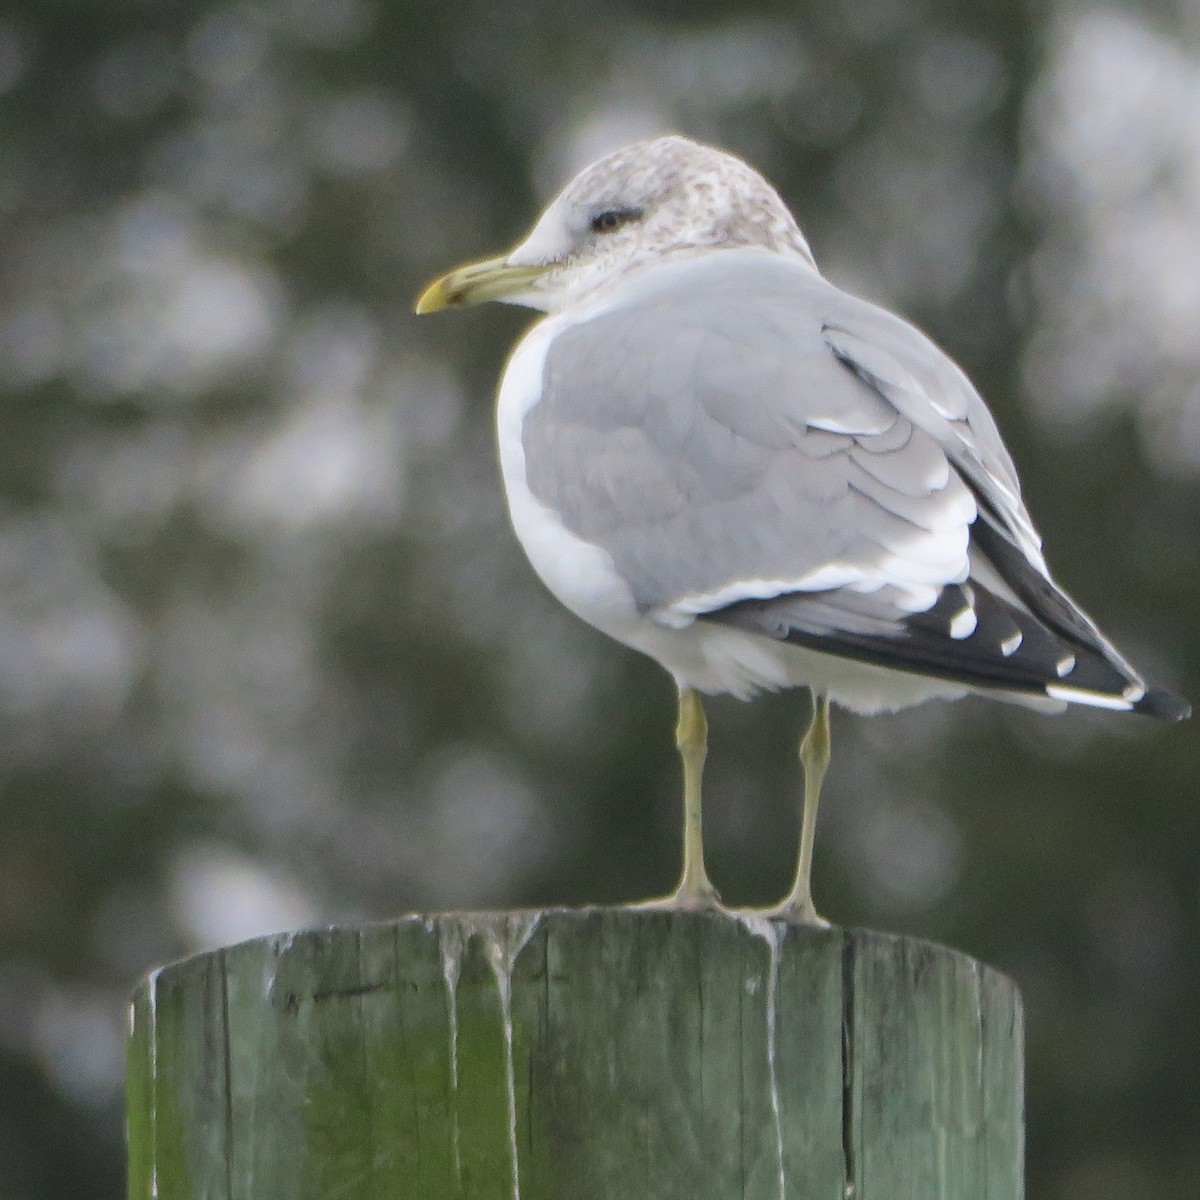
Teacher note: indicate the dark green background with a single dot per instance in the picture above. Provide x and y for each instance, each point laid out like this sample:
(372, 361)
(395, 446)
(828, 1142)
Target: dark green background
(269, 654)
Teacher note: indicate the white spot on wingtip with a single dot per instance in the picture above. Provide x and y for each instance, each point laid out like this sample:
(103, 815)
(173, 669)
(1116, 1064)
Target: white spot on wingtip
(963, 623)
(1065, 665)
(1012, 644)
(1080, 696)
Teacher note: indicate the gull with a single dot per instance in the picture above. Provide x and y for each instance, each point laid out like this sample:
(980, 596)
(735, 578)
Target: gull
(717, 457)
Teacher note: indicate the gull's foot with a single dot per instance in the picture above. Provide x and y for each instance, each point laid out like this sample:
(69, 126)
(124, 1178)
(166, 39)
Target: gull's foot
(795, 911)
(703, 898)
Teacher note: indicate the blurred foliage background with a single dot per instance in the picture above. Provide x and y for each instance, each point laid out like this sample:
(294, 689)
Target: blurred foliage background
(269, 655)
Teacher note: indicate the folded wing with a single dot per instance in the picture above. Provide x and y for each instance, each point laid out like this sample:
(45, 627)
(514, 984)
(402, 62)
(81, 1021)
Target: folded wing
(752, 446)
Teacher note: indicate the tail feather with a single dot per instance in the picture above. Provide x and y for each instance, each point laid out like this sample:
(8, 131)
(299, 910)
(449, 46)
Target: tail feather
(1163, 704)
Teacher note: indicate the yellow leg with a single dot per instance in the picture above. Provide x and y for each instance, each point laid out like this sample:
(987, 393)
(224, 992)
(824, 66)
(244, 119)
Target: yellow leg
(691, 737)
(815, 751)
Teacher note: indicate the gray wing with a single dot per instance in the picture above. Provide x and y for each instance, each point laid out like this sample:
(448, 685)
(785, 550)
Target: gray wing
(708, 437)
(751, 445)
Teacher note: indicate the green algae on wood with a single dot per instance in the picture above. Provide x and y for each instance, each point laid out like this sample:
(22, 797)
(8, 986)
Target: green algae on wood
(601, 1054)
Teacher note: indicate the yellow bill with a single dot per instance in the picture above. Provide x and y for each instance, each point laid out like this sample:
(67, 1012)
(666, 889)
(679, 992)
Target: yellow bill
(492, 279)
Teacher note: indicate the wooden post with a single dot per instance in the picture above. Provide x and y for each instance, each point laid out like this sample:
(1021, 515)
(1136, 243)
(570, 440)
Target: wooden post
(603, 1054)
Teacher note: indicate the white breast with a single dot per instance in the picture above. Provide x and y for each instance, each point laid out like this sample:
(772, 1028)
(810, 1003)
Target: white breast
(580, 574)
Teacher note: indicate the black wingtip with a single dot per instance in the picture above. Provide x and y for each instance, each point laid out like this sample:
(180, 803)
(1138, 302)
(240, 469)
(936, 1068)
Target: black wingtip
(1163, 704)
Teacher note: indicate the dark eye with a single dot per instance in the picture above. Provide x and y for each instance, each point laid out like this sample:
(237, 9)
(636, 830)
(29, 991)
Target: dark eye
(613, 218)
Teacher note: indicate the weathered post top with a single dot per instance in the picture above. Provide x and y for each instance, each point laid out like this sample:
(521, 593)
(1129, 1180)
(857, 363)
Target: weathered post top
(596, 1054)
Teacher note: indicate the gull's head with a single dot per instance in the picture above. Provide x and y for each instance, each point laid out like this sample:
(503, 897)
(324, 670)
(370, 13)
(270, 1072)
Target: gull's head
(634, 208)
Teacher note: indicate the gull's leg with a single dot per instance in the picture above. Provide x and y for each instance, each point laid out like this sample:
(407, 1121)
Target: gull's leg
(691, 737)
(815, 749)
